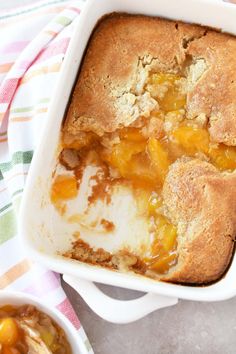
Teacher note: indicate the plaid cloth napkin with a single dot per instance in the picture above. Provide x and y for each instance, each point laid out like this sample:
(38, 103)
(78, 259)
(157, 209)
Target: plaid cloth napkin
(33, 42)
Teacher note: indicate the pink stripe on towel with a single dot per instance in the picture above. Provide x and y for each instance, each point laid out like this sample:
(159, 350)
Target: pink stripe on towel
(7, 91)
(66, 308)
(59, 47)
(14, 47)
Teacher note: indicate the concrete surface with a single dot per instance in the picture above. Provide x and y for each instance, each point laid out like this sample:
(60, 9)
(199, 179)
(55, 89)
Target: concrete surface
(188, 328)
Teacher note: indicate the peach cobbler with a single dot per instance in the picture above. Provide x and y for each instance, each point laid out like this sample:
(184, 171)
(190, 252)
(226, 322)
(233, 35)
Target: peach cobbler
(148, 150)
(26, 330)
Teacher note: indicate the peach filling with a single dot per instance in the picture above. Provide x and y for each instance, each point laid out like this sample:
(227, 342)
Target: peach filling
(63, 188)
(9, 332)
(143, 160)
(163, 253)
(25, 330)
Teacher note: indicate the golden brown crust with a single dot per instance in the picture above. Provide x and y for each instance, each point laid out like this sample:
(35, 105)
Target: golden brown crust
(81, 251)
(122, 50)
(122, 260)
(201, 202)
(214, 94)
(69, 158)
(109, 91)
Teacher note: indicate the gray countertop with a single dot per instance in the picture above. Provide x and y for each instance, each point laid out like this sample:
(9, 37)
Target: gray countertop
(187, 328)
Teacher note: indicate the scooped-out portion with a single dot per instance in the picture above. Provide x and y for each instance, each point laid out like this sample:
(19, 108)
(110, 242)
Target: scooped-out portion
(143, 170)
(26, 330)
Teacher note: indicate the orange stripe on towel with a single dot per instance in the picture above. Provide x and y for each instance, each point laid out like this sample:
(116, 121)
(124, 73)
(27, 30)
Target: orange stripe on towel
(21, 119)
(2, 116)
(51, 33)
(3, 140)
(14, 273)
(41, 71)
(5, 67)
(26, 119)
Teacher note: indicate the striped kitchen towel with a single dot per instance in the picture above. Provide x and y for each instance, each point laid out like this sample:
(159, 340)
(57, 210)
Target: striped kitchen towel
(33, 42)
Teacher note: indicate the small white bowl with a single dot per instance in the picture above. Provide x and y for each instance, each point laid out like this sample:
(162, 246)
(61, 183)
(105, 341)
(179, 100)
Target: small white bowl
(18, 299)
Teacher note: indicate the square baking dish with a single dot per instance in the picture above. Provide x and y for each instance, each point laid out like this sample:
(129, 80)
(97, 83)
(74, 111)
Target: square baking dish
(43, 234)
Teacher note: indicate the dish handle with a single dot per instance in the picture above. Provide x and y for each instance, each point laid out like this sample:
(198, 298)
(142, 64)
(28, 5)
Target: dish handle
(117, 311)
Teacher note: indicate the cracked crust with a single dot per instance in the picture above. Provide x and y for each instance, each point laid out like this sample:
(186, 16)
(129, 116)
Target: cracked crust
(199, 201)
(124, 48)
(110, 88)
(214, 93)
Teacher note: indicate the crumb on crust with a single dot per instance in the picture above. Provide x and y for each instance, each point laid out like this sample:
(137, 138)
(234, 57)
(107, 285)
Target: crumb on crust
(122, 260)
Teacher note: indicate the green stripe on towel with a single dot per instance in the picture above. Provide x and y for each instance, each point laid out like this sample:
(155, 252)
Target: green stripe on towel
(64, 21)
(31, 108)
(18, 157)
(8, 226)
(15, 204)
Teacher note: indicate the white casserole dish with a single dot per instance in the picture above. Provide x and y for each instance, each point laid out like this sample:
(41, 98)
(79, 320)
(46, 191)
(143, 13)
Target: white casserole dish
(43, 235)
(19, 299)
